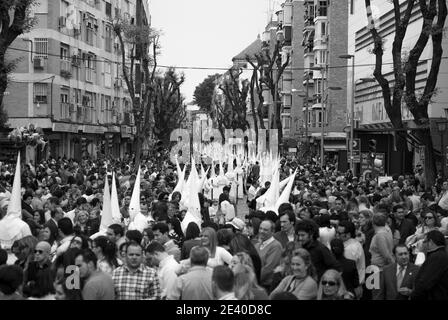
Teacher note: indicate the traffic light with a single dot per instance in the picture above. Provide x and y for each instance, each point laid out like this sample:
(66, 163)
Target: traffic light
(372, 148)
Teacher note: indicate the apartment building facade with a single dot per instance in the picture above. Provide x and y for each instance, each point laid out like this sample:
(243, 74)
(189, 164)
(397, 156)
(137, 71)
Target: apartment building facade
(69, 79)
(370, 115)
(313, 34)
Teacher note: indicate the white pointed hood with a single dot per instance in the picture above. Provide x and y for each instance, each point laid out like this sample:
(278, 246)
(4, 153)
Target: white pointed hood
(181, 181)
(12, 227)
(186, 221)
(284, 197)
(114, 203)
(106, 213)
(134, 205)
(272, 194)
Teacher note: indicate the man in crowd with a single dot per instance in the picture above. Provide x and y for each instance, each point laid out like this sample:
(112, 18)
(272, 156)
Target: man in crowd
(98, 285)
(270, 251)
(403, 225)
(167, 266)
(287, 225)
(431, 282)
(222, 283)
(134, 280)
(196, 284)
(397, 279)
(161, 235)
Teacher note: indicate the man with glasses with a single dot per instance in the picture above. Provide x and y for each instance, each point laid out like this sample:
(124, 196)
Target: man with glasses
(431, 282)
(41, 262)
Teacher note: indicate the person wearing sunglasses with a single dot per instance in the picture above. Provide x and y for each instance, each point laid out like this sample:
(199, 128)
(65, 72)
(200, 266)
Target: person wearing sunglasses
(331, 287)
(430, 222)
(41, 262)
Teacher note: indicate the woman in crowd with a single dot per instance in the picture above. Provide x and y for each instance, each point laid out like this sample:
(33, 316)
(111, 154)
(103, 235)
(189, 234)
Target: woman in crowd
(302, 282)
(331, 287)
(105, 251)
(246, 285)
(241, 243)
(429, 221)
(382, 242)
(365, 232)
(42, 288)
(63, 293)
(80, 242)
(218, 255)
(192, 239)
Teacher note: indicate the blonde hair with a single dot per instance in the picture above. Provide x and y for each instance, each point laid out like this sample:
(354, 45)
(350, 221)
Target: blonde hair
(336, 275)
(245, 259)
(212, 238)
(245, 282)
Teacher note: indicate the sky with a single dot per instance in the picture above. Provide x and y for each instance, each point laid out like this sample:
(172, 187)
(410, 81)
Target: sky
(205, 33)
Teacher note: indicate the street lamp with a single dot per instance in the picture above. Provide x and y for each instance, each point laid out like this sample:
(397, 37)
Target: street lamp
(323, 71)
(352, 106)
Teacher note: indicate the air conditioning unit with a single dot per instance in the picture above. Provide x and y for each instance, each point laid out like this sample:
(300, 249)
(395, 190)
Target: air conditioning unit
(89, 25)
(39, 63)
(62, 21)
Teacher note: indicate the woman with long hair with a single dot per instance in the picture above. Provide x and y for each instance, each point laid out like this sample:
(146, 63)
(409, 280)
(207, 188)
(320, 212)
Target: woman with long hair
(42, 288)
(365, 232)
(192, 239)
(105, 250)
(246, 285)
(218, 255)
(302, 281)
(429, 221)
(331, 287)
(241, 243)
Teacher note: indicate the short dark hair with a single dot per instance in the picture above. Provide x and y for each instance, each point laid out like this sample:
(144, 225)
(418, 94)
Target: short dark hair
(284, 207)
(400, 245)
(80, 201)
(11, 277)
(66, 226)
(117, 229)
(349, 227)
(88, 256)
(27, 195)
(54, 200)
(310, 227)
(162, 227)
(133, 244)
(437, 237)
(154, 247)
(134, 235)
(3, 256)
(192, 231)
(223, 277)
(290, 214)
(396, 207)
(379, 219)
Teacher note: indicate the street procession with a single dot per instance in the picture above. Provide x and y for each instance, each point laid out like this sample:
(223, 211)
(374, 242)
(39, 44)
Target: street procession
(297, 173)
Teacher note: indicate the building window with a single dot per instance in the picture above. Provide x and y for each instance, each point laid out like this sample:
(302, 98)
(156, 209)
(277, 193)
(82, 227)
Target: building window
(40, 93)
(352, 6)
(41, 47)
(108, 38)
(108, 9)
(323, 28)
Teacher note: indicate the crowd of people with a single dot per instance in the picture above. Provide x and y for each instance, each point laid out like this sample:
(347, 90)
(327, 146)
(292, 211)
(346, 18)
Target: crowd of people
(339, 237)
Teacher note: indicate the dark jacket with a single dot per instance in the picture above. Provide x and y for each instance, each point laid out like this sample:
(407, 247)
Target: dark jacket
(350, 274)
(321, 257)
(431, 282)
(388, 282)
(54, 231)
(282, 237)
(406, 229)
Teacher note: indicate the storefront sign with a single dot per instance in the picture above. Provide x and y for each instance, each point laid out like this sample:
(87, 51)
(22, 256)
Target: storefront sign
(94, 129)
(113, 129)
(64, 127)
(126, 131)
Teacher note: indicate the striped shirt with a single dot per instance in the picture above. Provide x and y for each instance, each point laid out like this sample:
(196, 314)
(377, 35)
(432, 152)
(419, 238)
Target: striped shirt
(142, 284)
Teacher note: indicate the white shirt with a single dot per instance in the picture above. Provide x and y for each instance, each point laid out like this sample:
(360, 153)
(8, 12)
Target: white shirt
(229, 296)
(221, 256)
(167, 272)
(64, 245)
(326, 235)
(252, 192)
(267, 242)
(353, 250)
